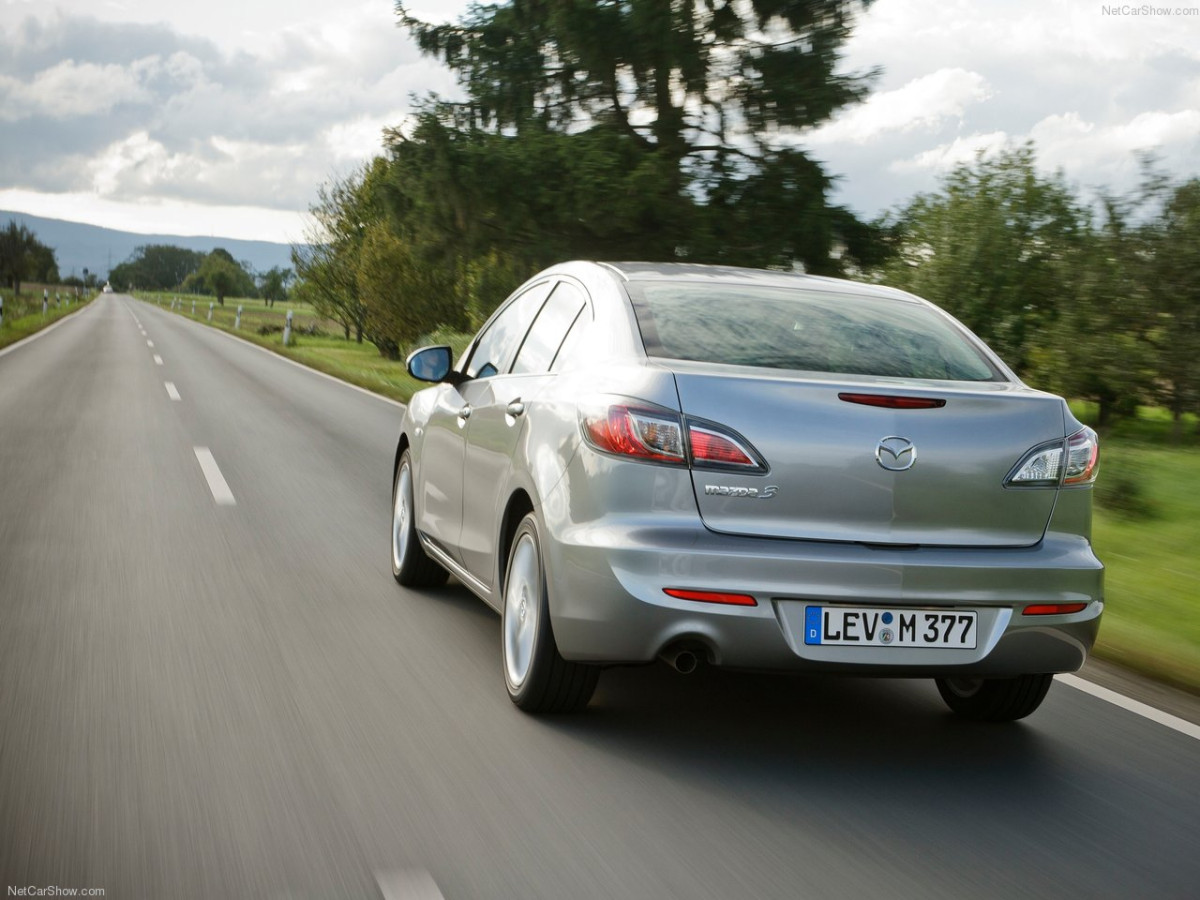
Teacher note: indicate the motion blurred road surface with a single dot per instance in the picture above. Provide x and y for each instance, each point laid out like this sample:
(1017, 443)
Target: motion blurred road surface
(224, 694)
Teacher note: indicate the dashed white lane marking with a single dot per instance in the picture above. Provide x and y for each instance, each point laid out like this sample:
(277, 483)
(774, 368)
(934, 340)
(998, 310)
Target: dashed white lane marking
(408, 884)
(172, 391)
(157, 360)
(149, 343)
(1145, 711)
(212, 474)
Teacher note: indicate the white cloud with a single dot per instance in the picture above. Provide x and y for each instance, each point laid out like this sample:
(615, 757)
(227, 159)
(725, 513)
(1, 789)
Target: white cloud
(923, 103)
(945, 157)
(359, 138)
(68, 90)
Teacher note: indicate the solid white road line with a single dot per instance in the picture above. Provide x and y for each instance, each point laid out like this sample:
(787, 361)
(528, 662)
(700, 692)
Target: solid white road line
(1144, 710)
(172, 392)
(157, 360)
(407, 884)
(212, 474)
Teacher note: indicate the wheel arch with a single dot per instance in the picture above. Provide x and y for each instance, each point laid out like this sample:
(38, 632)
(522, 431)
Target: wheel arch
(519, 505)
(401, 446)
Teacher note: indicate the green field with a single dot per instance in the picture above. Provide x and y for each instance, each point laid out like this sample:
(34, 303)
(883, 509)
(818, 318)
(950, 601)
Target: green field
(1147, 524)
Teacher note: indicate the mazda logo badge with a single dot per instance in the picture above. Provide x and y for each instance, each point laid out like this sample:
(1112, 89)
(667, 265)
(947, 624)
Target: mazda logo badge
(896, 454)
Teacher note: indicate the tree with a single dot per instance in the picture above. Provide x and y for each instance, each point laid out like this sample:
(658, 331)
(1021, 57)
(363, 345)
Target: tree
(1174, 241)
(23, 257)
(679, 119)
(273, 285)
(220, 275)
(327, 264)
(403, 298)
(157, 267)
(1098, 345)
(994, 247)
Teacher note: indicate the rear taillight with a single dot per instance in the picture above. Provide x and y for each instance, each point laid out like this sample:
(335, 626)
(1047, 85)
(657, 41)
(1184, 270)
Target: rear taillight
(640, 433)
(1083, 457)
(713, 447)
(662, 436)
(1069, 462)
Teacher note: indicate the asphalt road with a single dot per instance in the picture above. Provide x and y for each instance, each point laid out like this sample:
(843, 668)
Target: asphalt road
(214, 699)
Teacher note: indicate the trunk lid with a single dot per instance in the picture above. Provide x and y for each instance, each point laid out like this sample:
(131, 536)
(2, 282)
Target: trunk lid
(821, 453)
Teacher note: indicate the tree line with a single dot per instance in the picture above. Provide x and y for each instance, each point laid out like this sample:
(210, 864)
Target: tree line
(647, 129)
(1094, 297)
(163, 267)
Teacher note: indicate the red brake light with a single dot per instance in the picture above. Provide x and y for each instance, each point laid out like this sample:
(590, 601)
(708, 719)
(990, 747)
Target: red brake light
(891, 402)
(712, 597)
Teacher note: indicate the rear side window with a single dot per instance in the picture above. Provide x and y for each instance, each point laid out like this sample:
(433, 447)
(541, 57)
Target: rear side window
(498, 342)
(549, 329)
(810, 331)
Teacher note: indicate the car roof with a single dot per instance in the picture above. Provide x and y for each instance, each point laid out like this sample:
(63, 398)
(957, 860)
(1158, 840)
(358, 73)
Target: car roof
(693, 272)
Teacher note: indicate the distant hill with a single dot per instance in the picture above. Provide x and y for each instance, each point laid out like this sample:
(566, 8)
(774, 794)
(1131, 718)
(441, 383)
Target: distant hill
(78, 247)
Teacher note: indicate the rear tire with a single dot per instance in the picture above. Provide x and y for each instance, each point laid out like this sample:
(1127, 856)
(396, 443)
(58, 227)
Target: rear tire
(410, 566)
(538, 679)
(994, 699)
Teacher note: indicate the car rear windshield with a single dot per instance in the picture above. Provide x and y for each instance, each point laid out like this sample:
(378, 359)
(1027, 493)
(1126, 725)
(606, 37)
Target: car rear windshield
(806, 330)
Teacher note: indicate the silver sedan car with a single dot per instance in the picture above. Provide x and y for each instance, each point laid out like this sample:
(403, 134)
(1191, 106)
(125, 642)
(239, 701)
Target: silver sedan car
(750, 469)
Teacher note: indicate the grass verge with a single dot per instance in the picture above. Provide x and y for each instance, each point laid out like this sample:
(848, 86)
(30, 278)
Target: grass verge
(21, 319)
(316, 342)
(1152, 578)
(1147, 523)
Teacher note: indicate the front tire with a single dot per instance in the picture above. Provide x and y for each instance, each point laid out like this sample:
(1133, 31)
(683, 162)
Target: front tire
(994, 699)
(410, 565)
(538, 679)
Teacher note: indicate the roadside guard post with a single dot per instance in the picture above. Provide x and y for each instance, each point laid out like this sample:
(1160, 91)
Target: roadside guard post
(193, 307)
(1, 311)
(287, 330)
(45, 300)
(237, 322)
(210, 309)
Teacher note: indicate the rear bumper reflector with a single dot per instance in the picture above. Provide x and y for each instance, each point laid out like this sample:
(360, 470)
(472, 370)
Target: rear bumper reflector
(711, 597)
(1053, 609)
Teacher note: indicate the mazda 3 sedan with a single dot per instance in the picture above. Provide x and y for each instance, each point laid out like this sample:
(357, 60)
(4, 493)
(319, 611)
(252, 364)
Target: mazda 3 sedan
(749, 469)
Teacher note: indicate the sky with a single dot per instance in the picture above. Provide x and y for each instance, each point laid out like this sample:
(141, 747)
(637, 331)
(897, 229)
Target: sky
(223, 118)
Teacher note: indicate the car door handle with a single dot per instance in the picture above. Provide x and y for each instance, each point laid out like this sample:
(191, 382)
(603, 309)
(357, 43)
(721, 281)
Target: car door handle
(516, 408)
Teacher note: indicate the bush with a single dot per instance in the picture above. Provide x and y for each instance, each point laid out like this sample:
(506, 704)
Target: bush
(1120, 488)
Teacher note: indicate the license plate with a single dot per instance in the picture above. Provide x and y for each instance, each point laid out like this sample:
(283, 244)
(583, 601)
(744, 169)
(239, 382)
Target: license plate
(859, 626)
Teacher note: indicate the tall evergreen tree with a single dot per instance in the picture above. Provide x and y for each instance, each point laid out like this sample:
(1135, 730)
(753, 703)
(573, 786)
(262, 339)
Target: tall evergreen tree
(688, 113)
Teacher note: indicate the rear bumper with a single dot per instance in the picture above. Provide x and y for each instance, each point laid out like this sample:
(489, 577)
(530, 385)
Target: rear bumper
(606, 581)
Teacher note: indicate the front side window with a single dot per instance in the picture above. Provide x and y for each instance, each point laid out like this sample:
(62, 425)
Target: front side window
(496, 345)
(805, 330)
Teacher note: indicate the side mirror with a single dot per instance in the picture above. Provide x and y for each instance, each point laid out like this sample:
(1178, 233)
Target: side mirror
(430, 363)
